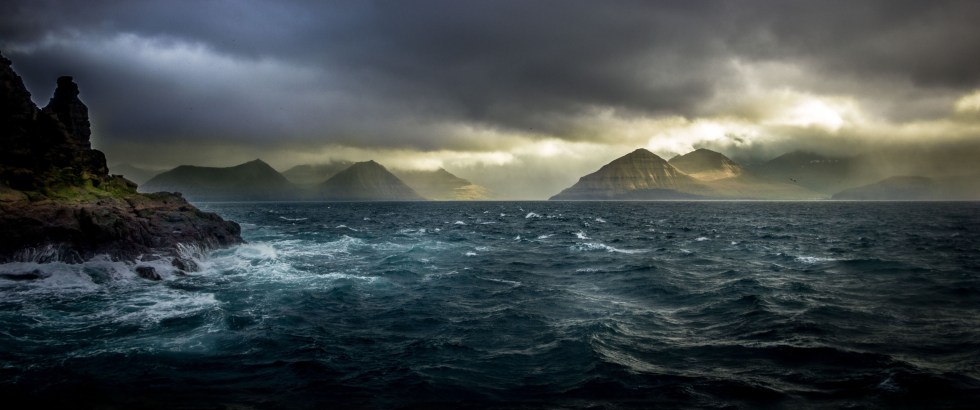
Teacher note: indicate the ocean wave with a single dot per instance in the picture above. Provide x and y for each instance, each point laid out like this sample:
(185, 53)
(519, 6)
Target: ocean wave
(595, 246)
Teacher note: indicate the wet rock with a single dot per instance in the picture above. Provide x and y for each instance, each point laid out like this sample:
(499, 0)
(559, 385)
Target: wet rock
(185, 265)
(148, 272)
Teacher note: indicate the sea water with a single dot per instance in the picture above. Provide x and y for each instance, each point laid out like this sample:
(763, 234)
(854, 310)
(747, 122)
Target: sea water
(519, 304)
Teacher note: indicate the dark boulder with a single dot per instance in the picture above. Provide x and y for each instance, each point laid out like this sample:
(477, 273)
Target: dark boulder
(148, 272)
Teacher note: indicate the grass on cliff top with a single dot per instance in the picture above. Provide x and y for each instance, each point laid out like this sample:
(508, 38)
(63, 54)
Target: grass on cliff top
(111, 188)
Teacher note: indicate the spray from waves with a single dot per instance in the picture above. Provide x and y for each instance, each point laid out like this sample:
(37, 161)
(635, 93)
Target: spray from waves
(43, 271)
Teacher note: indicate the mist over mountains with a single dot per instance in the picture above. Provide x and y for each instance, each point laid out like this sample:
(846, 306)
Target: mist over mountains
(638, 175)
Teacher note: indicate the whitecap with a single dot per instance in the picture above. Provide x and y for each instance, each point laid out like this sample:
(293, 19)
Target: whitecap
(459, 223)
(513, 283)
(470, 253)
(345, 227)
(581, 235)
(813, 259)
(532, 215)
(595, 246)
(151, 309)
(546, 236)
(292, 219)
(600, 220)
(702, 239)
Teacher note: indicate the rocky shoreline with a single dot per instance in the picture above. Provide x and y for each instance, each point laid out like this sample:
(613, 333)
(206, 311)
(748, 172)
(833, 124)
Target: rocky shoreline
(59, 203)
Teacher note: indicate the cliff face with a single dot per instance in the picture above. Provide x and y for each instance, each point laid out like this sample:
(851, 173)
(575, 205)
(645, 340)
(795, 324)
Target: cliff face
(58, 201)
(40, 151)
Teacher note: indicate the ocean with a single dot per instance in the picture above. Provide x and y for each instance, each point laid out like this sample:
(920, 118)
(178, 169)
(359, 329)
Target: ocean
(519, 305)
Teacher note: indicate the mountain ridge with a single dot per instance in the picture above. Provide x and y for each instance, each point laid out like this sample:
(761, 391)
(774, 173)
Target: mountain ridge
(252, 180)
(639, 174)
(366, 181)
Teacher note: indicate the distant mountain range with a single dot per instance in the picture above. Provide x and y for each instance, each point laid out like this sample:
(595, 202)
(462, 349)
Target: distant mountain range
(910, 188)
(253, 181)
(639, 175)
(335, 181)
(706, 174)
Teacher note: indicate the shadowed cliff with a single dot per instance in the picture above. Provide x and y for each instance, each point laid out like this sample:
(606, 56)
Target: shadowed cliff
(58, 201)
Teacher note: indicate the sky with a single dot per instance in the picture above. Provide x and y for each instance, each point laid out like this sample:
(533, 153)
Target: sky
(521, 96)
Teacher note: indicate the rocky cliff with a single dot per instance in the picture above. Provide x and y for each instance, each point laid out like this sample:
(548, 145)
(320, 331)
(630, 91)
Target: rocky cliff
(58, 201)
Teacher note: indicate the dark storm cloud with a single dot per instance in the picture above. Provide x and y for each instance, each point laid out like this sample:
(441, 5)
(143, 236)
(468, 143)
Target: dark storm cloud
(389, 73)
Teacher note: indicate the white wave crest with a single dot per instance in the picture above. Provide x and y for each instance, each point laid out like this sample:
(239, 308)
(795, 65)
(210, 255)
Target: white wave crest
(813, 259)
(595, 246)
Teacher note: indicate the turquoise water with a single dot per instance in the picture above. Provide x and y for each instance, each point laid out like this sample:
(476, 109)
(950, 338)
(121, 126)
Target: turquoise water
(520, 304)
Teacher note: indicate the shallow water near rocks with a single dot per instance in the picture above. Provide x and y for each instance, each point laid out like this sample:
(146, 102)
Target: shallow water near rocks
(520, 304)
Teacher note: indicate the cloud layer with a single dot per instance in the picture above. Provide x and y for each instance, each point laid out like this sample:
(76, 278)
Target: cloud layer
(547, 90)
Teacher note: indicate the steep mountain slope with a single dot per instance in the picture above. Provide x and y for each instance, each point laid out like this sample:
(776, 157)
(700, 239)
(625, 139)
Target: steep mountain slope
(251, 181)
(640, 174)
(366, 181)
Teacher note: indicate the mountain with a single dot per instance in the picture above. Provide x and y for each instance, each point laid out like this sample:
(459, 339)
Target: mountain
(441, 185)
(315, 174)
(819, 173)
(251, 181)
(706, 165)
(639, 175)
(916, 188)
(366, 181)
(133, 173)
(59, 203)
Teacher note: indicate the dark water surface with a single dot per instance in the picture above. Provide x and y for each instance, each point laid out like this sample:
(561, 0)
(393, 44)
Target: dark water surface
(521, 304)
